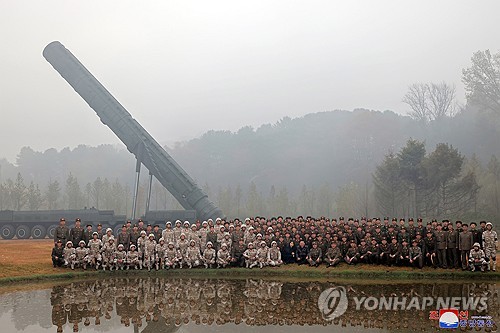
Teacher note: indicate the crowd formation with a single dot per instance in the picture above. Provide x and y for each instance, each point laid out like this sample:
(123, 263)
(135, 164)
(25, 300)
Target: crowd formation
(260, 242)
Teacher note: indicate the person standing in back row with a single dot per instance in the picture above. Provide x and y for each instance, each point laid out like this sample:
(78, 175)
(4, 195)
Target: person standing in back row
(465, 245)
(61, 232)
(76, 233)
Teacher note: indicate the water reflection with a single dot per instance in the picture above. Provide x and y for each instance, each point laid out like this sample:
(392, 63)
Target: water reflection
(164, 305)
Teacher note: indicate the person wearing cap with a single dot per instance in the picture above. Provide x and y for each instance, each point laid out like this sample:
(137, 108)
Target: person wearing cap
(250, 256)
(490, 239)
(314, 255)
(81, 253)
(141, 241)
(58, 254)
(182, 245)
(61, 232)
(171, 256)
(134, 235)
(133, 258)
(394, 252)
(477, 236)
(416, 257)
(301, 253)
(404, 254)
(262, 253)
(157, 232)
(202, 234)
(76, 233)
(94, 246)
(193, 254)
(69, 255)
(107, 236)
(352, 255)
(160, 249)
(168, 233)
(452, 254)
(333, 255)
(209, 255)
(274, 255)
(465, 245)
(108, 254)
(177, 230)
(223, 256)
(194, 235)
(383, 252)
(120, 257)
(441, 246)
(87, 233)
(149, 251)
(477, 258)
(430, 249)
(237, 250)
(212, 237)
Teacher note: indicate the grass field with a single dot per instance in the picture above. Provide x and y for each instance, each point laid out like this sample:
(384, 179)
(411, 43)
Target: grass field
(29, 260)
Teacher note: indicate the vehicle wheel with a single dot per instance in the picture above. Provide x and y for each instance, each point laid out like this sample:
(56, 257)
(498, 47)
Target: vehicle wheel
(117, 229)
(7, 231)
(38, 232)
(51, 231)
(23, 232)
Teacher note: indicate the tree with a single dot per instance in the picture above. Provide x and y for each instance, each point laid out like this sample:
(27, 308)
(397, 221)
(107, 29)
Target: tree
(412, 172)
(388, 185)
(482, 81)
(431, 101)
(52, 194)
(73, 192)
(34, 196)
(18, 192)
(97, 191)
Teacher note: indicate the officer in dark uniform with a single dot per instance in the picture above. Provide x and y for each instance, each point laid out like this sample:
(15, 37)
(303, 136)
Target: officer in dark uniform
(57, 254)
(123, 238)
(237, 249)
(76, 233)
(100, 231)
(430, 249)
(61, 232)
(134, 235)
(441, 246)
(157, 233)
(87, 234)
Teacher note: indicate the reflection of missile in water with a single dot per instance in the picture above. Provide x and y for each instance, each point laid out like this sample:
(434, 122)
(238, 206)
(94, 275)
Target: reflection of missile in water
(138, 141)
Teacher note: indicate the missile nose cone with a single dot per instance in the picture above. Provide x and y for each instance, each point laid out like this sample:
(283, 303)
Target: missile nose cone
(47, 49)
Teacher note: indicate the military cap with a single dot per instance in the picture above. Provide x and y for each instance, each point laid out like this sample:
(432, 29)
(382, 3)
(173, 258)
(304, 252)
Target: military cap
(419, 219)
(95, 233)
(149, 225)
(78, 219)
(59, 241)
(151, 235)
(89, 225)
(410, 219)
(394, 219)
(99, 224)
(62, 219)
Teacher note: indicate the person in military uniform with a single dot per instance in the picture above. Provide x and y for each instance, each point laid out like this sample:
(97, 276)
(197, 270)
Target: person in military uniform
(76, 233)
(61, 232)
(223, 256)
(167, 233)
(140, 246)
(69, 255)
(87, 234)
(134, 235)
(157, 232)
(273, 255)
(237, 250)
(262, 253)
(416, 257)
(490, 239)
(107, 236)
(477, 236)
(250, 255)
(182, 245)
(383, 254)
(314, 255)
(209, 255)
(441, 245)
(193, 255)
(373, 252)
(171, 256)
(452, 250)
(82, 255)
(133, 258)
(123, 238)
(108, 254)
(58, 254)
(94, 246)
(430, 249)
(149, 251)
(120, 257)
(394, 252)
(333, 255)
(161, 247)
(404, 254)
(301, 253)
(477, 258)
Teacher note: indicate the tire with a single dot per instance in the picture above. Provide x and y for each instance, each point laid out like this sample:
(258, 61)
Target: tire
(23, 232)
(38, 232)
(51, 231)
(7, 231)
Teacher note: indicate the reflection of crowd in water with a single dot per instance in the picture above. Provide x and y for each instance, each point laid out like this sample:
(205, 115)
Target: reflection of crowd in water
(140, 302)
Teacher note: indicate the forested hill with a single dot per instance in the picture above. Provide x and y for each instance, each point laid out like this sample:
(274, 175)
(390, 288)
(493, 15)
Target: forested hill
(334, 147)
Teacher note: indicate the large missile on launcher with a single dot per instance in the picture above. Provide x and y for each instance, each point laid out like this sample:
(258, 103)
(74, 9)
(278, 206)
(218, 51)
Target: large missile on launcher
(137, 140)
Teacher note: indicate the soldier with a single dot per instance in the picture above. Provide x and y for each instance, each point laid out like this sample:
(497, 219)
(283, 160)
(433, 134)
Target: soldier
(76, 233)
(87, 234)
(182, 245)
(314, 256)
(157, 232)
(149, 251)
(273, 255)
(237, 251)
(193, 255)
(250, 255)
(301, 253)
(490, 246)
(384, 252)
(168, 234)
(94, 246)
(373, 252)
(140, 246)
(211, 235)
(171, 256)
(202, 234)
(477, 236)
(352, 255)
(404, 254)
(161, 247)
(209, 255)
(120, 257)
(133, 258)
(81, 253)
(223, 256)
(452, 250)
(177, 230)
(416, 258)
(465, 245)
(58, 254)
(69, 255)
(107, 236)
(363, 250)
(108, 254)
(262, 253)
(61, 232)
(441, 245)
(333, 255)
(100, 231)
(134, 235)
(477, 258)
(123, 238)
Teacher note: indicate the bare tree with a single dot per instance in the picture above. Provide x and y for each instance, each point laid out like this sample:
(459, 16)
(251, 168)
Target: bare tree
(417, 99)
(431, 101)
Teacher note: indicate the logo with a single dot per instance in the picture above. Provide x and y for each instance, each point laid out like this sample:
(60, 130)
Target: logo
(333, 302)
(448, 318)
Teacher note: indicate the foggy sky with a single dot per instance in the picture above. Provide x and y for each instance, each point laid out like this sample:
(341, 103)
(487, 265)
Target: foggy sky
(184, 67)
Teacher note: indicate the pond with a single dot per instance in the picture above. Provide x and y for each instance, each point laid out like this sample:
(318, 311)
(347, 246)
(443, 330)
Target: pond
(153, 304)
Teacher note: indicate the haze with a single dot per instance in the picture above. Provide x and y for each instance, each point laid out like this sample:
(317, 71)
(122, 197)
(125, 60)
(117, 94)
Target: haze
(184, 67)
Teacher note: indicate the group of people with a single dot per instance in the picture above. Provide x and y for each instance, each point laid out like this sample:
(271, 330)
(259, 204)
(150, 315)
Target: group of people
(260, 242)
